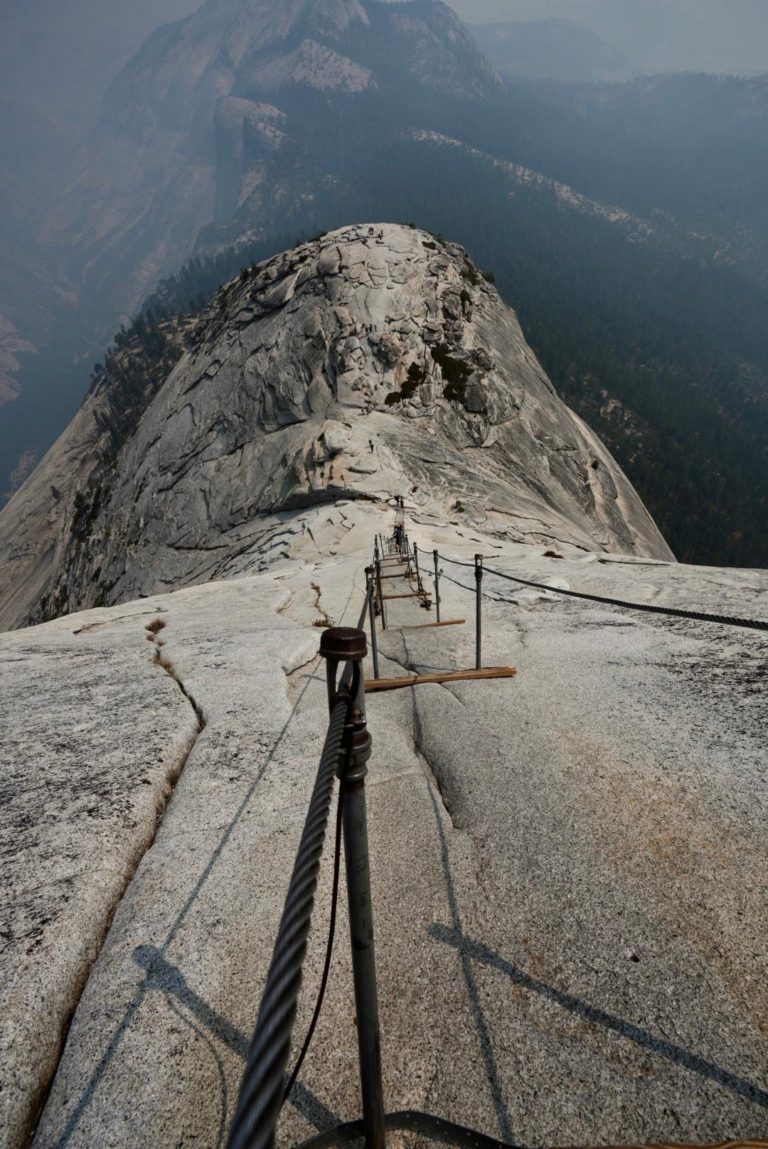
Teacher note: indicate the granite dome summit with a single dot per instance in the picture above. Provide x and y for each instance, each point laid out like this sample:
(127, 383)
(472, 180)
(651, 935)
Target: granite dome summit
(372, 361)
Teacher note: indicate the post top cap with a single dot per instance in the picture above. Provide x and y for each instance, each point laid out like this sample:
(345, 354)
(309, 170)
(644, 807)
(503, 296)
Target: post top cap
(342, 642)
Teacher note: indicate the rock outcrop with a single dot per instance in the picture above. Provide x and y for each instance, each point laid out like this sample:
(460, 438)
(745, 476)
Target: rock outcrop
(374, 361)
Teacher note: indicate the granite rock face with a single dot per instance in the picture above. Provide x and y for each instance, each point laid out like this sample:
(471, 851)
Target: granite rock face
(80, 809)
(374, 361)
(569, 867)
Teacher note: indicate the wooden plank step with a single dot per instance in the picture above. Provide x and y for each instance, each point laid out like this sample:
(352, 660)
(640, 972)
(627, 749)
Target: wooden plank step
(413, 594)
(377, 685)
(431, 625)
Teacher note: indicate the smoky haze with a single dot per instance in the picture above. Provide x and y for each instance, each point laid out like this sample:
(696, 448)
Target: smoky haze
(628, 221)
(724, 36)
(57, 56)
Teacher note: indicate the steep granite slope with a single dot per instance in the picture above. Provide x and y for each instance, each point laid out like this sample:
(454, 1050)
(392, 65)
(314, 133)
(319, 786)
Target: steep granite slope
(373, 361)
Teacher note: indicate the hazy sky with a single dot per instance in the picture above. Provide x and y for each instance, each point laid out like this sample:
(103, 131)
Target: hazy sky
(68, 50)
(706, 35)
(60, 54)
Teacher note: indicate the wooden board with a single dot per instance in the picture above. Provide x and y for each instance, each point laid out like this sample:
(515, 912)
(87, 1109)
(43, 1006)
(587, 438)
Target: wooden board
(376, 685)
(431, 625)
(413, 594)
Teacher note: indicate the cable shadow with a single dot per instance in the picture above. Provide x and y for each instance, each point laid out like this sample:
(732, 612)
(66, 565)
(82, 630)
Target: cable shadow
(476, 951)
(109, 1053)
(475, 1005)
(166, 978)
(478, 1017)
(221, 1133)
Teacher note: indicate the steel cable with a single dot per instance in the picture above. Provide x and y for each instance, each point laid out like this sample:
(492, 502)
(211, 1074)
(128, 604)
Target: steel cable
(364, 613)
(262, 1089)
(346, 678)
(328, 950)
(456, 562)
(263, 1092)
(435, 1129)
(648, 608)
(473, 590)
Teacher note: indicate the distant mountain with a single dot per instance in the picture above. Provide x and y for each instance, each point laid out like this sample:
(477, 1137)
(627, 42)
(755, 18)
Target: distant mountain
(204, 129)
(214, 107)
(551, 50)
(34, 146)
(633, 253)
(56, 62)
(693, 147)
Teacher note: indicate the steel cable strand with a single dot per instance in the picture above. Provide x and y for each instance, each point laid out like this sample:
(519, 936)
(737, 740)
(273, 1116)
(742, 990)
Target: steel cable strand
(271, 1045)
(648, 608)
(456, 562)
(328, 951)
(361, 620)
(473, 590)
(262, 1089)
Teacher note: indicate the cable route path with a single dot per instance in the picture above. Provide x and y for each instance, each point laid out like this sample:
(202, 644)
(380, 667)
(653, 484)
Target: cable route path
(396, 589)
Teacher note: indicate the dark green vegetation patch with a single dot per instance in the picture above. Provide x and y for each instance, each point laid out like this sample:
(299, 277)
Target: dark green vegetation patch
(455, 372)
(417, 376)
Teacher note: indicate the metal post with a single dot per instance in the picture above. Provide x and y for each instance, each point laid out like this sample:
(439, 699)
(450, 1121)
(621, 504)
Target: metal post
(479, 611)
(436, 557)
(376, 549)
(372, 617)
(336, 645)
(419, 587)
(380, 596)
